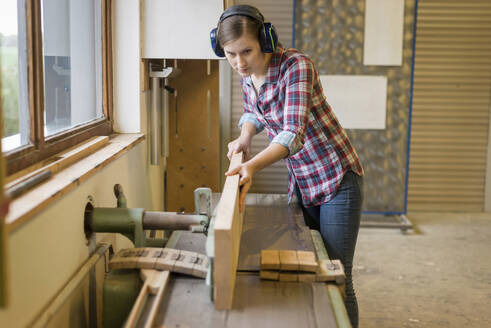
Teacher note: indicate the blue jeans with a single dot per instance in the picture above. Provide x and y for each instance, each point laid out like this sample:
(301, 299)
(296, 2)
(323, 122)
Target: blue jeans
(338, 222)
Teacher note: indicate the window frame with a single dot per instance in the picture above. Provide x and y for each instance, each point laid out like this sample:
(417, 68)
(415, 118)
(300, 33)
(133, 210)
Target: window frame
(40, 147)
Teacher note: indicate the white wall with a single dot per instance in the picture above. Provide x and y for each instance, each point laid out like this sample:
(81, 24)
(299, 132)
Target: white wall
(126, 61)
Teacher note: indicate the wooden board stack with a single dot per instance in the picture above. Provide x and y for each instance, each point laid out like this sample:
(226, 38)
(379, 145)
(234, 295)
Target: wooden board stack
(302, 266)
(175, 260)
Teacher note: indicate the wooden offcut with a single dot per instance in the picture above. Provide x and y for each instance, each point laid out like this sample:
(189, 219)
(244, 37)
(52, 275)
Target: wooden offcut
(227, 231)
(269, 275)
(306, 261)
(288, 276)
(331, 270)
(288, 260)
(270, 259)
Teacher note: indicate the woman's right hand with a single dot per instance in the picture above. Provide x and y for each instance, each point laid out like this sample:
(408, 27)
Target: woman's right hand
(241, 144)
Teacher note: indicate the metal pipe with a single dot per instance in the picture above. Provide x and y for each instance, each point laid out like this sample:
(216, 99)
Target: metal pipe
(165, 123)
(171, 220)
(28, 183)
(155, 123)
(122, 220)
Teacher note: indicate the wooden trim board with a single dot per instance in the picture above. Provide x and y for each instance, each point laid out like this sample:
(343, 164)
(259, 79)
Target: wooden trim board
(227, 231)
(155, 283)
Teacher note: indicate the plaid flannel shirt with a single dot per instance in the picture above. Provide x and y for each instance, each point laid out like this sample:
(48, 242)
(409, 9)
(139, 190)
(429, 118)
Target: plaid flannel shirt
(291, 106)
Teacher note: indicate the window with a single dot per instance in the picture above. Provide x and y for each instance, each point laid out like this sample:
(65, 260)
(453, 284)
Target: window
(13, 56)
(56, 76)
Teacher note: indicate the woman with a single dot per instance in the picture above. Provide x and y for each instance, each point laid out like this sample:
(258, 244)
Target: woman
(283, 94)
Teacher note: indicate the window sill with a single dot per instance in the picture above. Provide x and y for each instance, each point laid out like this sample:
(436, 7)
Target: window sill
(35, 200)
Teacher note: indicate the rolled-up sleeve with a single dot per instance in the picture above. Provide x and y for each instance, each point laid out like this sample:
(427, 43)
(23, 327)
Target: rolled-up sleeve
(250, 117)
(299, 85)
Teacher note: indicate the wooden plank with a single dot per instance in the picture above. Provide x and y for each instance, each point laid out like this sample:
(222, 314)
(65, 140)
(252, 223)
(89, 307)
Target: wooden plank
(155, 283)
(227, 231)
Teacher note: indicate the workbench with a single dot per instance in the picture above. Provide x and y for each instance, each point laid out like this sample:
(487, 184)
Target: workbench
(269, 223)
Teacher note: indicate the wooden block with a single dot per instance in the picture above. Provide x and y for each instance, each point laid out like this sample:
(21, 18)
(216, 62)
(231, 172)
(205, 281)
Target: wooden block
(306, 261)
(167, 259)
(185, 262)
(269, 275)
(148, 261)
(270, 259)
(288, 276)
(306, 277)
(288, 261)
(117, 262)
(125, 259)
(227, 231)
(331, 271)
(200, 268)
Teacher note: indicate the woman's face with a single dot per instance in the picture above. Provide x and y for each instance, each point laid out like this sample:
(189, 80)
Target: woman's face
(245, 55)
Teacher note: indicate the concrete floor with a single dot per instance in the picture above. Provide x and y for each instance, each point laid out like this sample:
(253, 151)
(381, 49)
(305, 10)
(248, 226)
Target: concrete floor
(437, 276)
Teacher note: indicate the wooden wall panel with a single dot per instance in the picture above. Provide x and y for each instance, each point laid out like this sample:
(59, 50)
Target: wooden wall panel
(452, 82)
(193, 133)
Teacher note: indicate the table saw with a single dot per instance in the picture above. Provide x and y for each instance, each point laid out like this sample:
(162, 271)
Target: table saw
(268, 223)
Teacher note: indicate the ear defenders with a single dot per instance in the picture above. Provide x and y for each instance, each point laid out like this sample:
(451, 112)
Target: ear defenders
(268, 39)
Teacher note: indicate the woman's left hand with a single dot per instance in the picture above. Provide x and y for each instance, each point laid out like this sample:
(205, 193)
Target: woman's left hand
(245, 172)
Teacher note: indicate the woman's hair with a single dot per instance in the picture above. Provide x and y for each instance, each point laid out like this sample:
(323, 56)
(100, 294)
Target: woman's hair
(232, 28)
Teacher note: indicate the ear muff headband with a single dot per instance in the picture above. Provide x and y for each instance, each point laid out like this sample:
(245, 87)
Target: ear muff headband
(268, 39)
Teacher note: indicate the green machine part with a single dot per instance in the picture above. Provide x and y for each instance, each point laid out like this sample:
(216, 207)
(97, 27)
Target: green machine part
(121, 288)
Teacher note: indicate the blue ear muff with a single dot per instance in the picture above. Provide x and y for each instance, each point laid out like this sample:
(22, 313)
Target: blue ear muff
(268, 38)
(215, 44)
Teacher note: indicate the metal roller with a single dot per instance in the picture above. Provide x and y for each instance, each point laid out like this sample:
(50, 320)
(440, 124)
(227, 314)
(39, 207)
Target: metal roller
(171, 220)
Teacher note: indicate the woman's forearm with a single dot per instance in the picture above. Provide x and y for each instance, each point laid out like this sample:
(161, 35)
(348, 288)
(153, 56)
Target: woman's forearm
(248, 130)
(271, 154)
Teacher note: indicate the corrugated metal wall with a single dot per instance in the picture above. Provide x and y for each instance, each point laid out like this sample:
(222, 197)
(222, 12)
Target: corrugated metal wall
(273, 179)
(452, 81)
